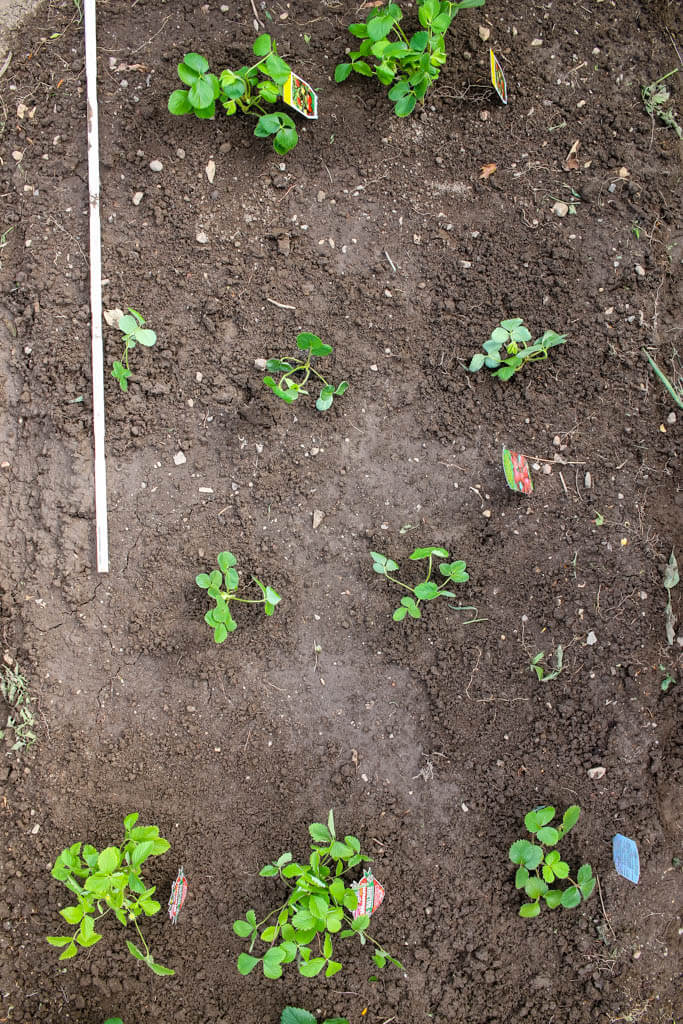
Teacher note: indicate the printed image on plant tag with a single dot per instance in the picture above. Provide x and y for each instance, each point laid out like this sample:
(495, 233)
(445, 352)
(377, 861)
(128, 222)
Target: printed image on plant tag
(370, 894)
(517, 473)
(626, 859)
(298, 94)
(498, 78)
(177, 898)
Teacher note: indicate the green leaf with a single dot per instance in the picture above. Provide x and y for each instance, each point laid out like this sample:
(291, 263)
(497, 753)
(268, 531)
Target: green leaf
(196, 62)
(584, 874)
(359, 30)
(142, 852)
(362, 68)
(399, 90)
(59, 940)
(69, 952)
(97, 884)
(291, 1015)
(262, 45)
(519, 851)
(109, 859)
(380, 26)
(406, 105)
(360, 923)
(134, 951)
(571, 897)
(419, 41)
(285, 140)
(342, 72)
(426, 591)
(538, 818)
(400, 614)
(548, 835)
(160, 969)
(242, 928)
(145, 337)
(312, 967)
(587, 887)
(561, 869)
(535, 887)
(570, 818)
(521, 877)
(201, 94)
(332, 968)
(419, 553)
(278, 70)
(342, 388)
(476, 362)
(341, 850)
(533, 857)
(269, 871)
(553, 898)
(529, 910)
(246, 963)
(179, 102)
(320, 833)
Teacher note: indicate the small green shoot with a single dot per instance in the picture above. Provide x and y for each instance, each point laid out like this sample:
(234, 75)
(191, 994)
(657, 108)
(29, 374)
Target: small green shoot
(295, 372)
(599, 518)
(319, 905)
(636, 230)
(670, 579)
(536, 665)
(134, 333)
(20, 717)
(656, 99)
(4, 240)
(674, 388)
(408, 65)
(293, 1015)
(668, 679)
(113, 1020)
(249, 89)
(538, 867)
(109, 880)
(222, 585)
(428, 589)
(508, 349)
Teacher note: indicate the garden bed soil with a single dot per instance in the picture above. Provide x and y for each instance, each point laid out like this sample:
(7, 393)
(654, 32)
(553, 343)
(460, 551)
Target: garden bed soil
(430, 739)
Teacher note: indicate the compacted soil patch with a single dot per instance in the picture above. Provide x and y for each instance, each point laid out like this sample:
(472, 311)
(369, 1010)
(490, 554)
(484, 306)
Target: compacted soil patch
(430, 739)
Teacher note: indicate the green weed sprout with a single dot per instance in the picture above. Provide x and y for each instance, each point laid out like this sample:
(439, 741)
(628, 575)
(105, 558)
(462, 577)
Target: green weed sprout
(429, 589)
(293, 1015)
(222, 585)
(508, 349)
(536, 665)
(538, 868)
(134, 333)
(296, 371)
(675, 387)
(409, 65)
(655, 100)
(109, 881)
(320, 904)
(20, 717)
(249, 89)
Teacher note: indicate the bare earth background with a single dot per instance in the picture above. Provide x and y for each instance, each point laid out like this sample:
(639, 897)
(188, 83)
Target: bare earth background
(430, 740)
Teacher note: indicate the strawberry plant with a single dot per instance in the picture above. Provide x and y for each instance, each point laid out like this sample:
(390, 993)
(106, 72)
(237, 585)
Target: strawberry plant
(540, 866)
(293, 1015)
(134, 333)
(428, 589)
(320, 904)
(508, 349)
(249, 89)
(295, 373)
(106, 881)
(222, 585)
(409, 65)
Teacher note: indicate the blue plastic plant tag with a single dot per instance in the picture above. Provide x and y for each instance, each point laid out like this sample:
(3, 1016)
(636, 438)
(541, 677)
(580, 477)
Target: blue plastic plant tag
(626, 859)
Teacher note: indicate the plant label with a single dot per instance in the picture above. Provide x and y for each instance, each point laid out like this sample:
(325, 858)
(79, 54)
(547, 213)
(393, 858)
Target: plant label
(498, 78)
(178, 894)
(626, 859)
(517, 473)
(299, 95)
(370, 894)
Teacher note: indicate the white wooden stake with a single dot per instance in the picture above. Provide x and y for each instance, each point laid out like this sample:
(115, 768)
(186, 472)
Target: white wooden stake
(96, 290)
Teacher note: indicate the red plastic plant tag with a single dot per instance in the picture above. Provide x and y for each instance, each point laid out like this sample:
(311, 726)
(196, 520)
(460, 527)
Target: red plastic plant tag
(516, 470)
(370, 894)
(178, 894)
(498, 78)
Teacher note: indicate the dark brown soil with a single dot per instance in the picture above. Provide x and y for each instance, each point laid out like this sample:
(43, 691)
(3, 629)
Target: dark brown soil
(432, 739)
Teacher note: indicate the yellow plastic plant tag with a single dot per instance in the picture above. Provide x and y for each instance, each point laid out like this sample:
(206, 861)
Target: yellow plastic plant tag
(498, 78)
(299, 95)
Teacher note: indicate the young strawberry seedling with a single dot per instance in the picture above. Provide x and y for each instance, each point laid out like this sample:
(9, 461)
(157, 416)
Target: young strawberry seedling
(539, 867)
(134, 333)
(508, 349)
(537, 666)
(109, 881)
(410, 65)
(296, 372)
(250, 90)
(320, 904)
(222, 585)
(428, 589)
(293, 1015)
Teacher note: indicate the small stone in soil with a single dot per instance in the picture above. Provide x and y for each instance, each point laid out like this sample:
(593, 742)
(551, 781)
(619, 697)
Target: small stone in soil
(137, 198)
(591, 639)
(156, 166)
(179, 458)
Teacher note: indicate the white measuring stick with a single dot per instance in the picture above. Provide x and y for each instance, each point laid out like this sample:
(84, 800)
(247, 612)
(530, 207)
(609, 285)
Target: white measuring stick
(96, 290)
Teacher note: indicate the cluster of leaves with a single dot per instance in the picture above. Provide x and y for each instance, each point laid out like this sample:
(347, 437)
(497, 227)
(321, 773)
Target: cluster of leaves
(408, 65)
(249, 89)
(109, 880)
(536, 665)
(295, 374)
(134, 333)
(508, 349)
(428, 589)
(670, 579)
(539, 868)
(656, 102)
(20, 717)
(293, 1015)
(222, 585)
(320, 904)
